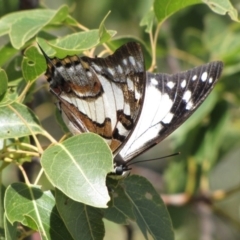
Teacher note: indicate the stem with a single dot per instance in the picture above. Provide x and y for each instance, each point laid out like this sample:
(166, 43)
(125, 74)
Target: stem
(191, 178)
(83, 27)
(26, 145)
(49, 137)
(38, 176)
(13, 152)
(29, 146)
(153, 63)
(153, 41)
(219, 195)
(64, 137)
(24, 92)
(24, 175)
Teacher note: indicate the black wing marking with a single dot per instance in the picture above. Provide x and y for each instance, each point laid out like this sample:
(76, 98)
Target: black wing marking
(168, 102)
(100, 95)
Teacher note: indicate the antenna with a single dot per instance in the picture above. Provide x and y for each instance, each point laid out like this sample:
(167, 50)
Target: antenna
(154, 159)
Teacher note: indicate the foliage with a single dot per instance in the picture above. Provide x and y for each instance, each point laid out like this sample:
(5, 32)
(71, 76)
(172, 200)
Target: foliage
(73, 200)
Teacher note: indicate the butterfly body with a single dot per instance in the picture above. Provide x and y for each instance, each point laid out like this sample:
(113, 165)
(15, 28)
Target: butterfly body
(116, 98)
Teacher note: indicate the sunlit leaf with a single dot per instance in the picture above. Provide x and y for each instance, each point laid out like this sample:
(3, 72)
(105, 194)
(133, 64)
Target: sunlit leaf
(165, 8)
(148, 21)
(17, 120)
(222, 7)
(77, 42)
(35, 209)
(104, 34)
(78, 167)
(23, 25)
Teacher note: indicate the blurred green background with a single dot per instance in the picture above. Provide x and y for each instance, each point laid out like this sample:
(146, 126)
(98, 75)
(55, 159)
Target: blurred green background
(209, 141)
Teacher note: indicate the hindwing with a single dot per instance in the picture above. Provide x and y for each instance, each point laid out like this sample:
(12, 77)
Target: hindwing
(169, 101)
(100, 95)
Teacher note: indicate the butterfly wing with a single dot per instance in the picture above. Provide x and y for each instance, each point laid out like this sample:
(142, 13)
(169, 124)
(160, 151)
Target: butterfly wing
(100, 95)
(169, 100)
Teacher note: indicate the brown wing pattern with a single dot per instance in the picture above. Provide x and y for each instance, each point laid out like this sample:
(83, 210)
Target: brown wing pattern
(100, 95)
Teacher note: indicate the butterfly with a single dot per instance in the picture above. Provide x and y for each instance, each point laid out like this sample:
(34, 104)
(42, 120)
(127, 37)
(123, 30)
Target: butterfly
(116, 98)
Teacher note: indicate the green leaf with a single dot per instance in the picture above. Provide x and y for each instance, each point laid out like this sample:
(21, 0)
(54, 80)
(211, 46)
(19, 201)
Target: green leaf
(148, 21)
(24, 25)
(33, 64)
(34, 209)
(3, 82)
(16, 120)
(7, 52)
(2, 194)
(222, 7)
(10, 229)
(165, 8)
(150, 212)
(69, 20)
(82, 221)
(13, 69)
(11, 95)
(104, 34)
(120, 207)
(78, 167)
(77, 42)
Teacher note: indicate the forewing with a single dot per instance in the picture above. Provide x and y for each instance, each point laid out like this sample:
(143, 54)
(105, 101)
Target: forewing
(169, 100)
(100, 95)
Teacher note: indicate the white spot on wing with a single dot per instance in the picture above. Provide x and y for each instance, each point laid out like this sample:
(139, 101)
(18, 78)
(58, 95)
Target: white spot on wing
(119, 68)
(204, 76)
(137, 95)
(168, 118)
(121, 129)
(210, 80)
(130, 84)
(171, 84)
(154, 81)
(126, 109)
(189, 105)
(194, 77)
(124, 61)
(132, 60)
(111, 71)
(183, 83)
(187, 95)
(89, 74)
